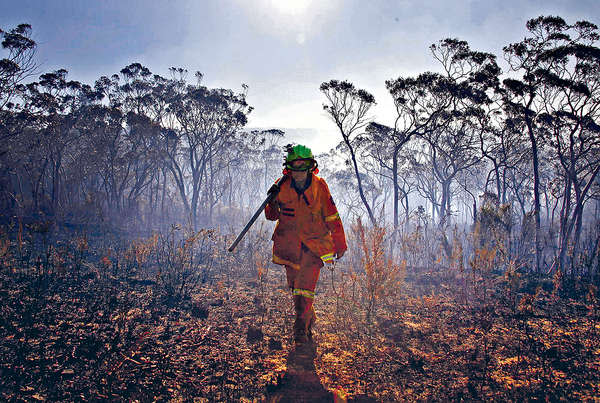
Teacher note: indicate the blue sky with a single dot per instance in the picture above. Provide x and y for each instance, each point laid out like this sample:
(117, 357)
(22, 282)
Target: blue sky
(283, 50)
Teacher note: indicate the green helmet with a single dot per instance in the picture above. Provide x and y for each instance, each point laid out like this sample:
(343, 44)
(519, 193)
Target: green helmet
(298, 152)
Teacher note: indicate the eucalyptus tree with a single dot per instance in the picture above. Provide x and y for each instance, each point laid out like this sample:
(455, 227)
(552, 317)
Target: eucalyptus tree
(135, 93)
(389, 163)
(426, 184)
(430, 104)
(447, 113)
(420, 105)
(452, 150)
(143, 98)
(502, 146)
(25, 164)
(348, 107)
(18, 65)
(554, 63)
(59, 107)
(106, 148)
(259, 154)
(350, 202)
(208, 120)
(268, 147)
(164, 92)
(144, 158)
(570, 122)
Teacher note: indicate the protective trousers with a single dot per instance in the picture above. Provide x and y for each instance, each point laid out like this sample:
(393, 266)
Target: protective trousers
(303, 282)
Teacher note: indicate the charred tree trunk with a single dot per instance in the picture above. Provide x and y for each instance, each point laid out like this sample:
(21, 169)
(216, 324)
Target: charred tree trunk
(536, 185)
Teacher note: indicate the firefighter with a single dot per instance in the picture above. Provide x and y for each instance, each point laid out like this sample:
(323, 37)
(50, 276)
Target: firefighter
(309, 232)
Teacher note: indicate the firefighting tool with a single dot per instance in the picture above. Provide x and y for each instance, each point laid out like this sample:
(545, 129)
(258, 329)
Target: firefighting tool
(271, 195)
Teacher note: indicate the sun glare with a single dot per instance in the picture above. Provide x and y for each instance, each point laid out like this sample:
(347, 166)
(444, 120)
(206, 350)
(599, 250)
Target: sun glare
(290, 20)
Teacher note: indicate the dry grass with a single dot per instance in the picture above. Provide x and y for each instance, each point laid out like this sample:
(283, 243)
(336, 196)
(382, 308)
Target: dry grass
(80, 321)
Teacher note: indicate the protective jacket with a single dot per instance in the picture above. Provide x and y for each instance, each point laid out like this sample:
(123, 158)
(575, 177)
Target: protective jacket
(307, 217)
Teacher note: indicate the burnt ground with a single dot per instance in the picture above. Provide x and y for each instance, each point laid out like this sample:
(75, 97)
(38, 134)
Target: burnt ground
(88, 335)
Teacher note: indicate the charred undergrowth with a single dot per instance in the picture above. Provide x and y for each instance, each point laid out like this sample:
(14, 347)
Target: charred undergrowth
(173, 316)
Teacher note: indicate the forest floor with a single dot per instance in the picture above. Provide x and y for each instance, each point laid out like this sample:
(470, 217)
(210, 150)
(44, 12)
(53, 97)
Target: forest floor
(88, 335)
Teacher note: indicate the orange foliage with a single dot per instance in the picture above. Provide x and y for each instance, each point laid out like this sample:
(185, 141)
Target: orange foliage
(382, 276)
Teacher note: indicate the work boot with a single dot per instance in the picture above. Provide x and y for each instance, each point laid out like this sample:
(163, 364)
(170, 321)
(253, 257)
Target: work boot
(313, 319)
(300, 326)
(300, 337)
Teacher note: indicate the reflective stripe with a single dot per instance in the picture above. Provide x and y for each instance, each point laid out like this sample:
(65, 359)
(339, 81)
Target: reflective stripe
(328, 258)
(305, 293)
(278, 260)
(332, 217)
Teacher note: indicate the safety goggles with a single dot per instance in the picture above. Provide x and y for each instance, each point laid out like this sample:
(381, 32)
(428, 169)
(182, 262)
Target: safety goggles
(299, 165)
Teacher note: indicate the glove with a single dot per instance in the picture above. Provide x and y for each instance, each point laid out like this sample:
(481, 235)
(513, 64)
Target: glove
(339, 254)
(274, 189)
(274, 204)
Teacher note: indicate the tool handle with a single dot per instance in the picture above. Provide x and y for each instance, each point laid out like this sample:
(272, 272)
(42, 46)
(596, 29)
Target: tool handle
(269, 198)
(247, 227)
